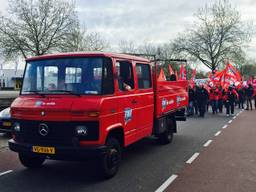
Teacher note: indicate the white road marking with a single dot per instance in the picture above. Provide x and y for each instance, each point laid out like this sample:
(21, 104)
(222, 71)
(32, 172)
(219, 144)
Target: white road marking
(216, 134)
(234, 117)
(225, 126)
(207, 143)
(192, 158)
(230, 121)
(6, 172)
(166, 183)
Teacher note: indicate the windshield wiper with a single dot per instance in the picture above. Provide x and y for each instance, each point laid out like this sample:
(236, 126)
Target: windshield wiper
(66, 91)
(35, 92)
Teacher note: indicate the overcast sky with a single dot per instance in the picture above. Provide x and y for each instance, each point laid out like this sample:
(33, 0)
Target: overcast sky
(155, 21)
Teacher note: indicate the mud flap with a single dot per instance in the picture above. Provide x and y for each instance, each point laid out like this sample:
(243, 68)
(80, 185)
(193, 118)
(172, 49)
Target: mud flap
(180, 115)
(160, 125)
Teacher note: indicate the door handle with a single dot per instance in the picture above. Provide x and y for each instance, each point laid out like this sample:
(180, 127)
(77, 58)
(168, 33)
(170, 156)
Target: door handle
(134, 101)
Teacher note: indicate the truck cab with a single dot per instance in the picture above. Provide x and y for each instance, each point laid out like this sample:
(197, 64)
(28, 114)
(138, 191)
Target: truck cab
(76, 106)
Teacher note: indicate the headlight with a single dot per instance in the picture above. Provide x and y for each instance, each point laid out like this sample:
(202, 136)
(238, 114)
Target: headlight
(16, 127)
(81, 130)
(5, 114)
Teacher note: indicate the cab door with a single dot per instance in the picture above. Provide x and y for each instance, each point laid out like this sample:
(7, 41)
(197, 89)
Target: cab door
(127, 99)
(145, 99)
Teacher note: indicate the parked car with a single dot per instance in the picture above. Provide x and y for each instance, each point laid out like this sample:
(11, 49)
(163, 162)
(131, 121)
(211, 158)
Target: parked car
(5, 121)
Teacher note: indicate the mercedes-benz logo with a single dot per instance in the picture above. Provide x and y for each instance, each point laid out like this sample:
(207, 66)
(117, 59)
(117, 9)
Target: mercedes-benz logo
(43, 129)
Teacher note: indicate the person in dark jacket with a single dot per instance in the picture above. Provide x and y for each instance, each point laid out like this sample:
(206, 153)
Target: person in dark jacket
(230, 99)
(202, 98)
(196, 88)
(249, 93)
(241, 94)
(191, 98)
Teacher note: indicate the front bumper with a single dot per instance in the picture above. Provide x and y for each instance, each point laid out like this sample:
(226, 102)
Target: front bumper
(62, 152)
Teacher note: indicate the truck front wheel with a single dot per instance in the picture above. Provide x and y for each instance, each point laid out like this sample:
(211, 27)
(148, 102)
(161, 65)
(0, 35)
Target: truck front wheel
(111, 160)
(31, 161)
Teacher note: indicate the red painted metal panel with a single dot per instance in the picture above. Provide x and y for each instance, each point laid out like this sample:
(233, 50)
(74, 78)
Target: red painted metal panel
(134, 111)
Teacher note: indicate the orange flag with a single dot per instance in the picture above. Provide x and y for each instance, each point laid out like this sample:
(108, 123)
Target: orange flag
(161, 76)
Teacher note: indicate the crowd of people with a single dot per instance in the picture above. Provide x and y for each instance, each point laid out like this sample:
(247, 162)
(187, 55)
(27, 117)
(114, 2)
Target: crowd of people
(201, 99)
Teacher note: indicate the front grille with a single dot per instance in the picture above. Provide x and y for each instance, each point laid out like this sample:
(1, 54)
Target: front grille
(60, 133)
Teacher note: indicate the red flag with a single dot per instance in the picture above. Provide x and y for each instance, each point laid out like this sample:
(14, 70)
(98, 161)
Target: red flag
(170, 70)
(249, 80)
(161, 76)
(231, 76)
(232, 72)
(183, 75)
(193, 77)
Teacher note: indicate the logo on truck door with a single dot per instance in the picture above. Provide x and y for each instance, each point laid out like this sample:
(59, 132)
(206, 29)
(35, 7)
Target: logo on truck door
(164, 103)
(127, 115)
(179, 99)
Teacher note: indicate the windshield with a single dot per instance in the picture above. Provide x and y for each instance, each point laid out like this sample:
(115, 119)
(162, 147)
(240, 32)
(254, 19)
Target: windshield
(90, 76)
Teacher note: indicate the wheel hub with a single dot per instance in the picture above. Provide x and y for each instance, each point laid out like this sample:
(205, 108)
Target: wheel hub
(112, 158)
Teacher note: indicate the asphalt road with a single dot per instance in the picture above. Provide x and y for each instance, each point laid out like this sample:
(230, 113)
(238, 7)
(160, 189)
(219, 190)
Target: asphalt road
(145, 165)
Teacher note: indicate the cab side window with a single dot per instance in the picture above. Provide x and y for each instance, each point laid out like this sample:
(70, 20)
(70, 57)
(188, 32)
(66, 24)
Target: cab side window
(125, 75)
(143, 76)
(107, 77)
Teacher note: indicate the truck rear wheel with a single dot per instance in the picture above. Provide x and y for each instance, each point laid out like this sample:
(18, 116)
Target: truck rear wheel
(111, 160)
(31, 161)
(167, 136)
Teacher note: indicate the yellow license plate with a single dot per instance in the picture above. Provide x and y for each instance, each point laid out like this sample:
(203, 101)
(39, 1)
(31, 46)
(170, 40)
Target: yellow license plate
(7, 124)
(45, 150)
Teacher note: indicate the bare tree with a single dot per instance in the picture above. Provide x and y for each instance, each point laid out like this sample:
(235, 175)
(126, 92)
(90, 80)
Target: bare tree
(95, 42)
(217, 34)
(36, 27)
(81, 40)
(147, 48)
(127, 47)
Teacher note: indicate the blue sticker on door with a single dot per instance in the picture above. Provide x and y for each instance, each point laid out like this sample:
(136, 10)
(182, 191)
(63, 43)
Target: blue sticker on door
(127, 115)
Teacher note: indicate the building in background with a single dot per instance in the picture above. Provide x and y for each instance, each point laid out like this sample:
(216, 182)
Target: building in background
(10, 79)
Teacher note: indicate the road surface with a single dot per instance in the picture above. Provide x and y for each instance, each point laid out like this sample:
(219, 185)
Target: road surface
(145, 165)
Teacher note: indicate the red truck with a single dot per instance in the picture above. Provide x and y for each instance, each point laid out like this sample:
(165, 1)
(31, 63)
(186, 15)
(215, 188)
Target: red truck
(75, 106)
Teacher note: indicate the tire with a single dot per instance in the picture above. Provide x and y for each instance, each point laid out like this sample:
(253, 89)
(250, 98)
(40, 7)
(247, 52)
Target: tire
(110, 162)
(167, 136)
(31, 161)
